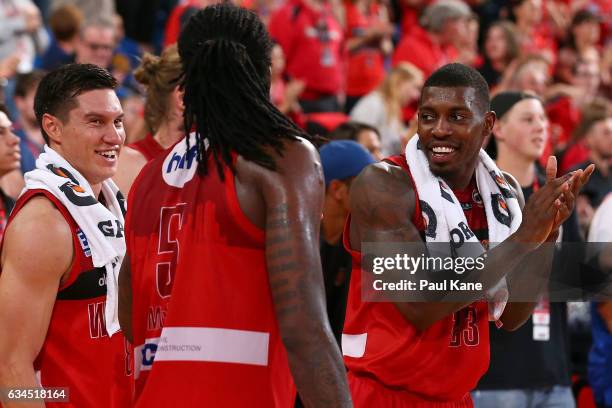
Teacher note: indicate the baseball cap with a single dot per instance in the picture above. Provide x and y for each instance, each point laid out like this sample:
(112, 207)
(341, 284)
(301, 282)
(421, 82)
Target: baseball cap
(504, 101)
(342, 159)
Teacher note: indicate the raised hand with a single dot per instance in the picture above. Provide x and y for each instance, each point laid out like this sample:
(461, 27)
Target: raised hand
(541, 212)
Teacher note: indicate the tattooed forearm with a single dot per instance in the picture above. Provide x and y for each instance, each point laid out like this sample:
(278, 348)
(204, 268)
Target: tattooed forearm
(296, 283)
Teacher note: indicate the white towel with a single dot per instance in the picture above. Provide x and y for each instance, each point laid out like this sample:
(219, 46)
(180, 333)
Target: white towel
(102, 226)
(502, 209)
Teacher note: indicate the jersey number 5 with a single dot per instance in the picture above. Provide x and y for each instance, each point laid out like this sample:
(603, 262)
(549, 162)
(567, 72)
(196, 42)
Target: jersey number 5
(170, 223)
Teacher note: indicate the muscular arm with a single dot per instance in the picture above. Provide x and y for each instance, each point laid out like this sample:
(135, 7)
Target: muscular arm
(382, 203)
(129, 165)
(294, 202)
(125, 299)
(32, 269)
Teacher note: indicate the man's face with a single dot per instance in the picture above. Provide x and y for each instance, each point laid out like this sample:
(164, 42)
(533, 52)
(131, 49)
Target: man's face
(600, 138)
(523, 129)
(96, 46)
(451, 128)
(588, 77)
(9, 146)
(369, 139)
(92, 135)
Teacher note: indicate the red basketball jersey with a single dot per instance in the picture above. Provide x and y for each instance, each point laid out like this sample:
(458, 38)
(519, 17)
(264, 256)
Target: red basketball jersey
(77, 352)
(148, 146)
(204, 326)
(440, 364)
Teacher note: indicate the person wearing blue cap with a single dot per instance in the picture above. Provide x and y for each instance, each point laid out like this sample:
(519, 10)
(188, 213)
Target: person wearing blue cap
(342, 160)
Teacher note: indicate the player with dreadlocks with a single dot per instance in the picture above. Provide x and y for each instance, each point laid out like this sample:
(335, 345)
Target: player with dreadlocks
(222, 292)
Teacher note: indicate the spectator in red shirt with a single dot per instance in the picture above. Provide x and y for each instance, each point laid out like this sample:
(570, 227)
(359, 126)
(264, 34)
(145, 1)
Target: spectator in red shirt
(284, 94)
(534, 36)
(368, 34)
(565, 103)
(312, 40)
(431, 45)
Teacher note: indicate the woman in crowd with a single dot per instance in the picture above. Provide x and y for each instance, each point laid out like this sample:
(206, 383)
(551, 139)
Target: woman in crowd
(500, 49)
(382, 108)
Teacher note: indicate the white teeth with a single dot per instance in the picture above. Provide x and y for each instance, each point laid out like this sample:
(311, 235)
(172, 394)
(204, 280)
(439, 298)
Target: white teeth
(108, 155)
(443, 149)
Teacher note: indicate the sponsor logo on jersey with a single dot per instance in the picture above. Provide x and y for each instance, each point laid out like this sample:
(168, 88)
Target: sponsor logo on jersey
(180, 165)
(84, 242)
(429, 219)
(144, 356)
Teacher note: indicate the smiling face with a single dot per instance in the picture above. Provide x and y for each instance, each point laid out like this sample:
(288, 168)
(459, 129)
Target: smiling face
(91, 135)
(523, 129)
(452, 125)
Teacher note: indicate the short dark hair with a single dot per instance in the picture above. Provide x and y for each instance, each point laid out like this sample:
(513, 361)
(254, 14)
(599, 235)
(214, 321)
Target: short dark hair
(58, 89)
(24, 83)
(4, 109)
(351, 130)
(458, 75)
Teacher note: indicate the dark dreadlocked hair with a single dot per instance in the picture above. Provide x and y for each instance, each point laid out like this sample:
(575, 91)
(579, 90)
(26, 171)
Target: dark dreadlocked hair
(225, 52)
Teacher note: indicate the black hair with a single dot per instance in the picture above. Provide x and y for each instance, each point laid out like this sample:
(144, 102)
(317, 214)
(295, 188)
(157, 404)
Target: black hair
(24, 83)
(58, 89)
(4, 109)
(225, 51)
(458, 75)
(351, 130)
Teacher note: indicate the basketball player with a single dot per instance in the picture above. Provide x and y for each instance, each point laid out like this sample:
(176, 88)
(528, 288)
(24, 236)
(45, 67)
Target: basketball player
(430, 354)
(223, 296)
(52, 297)
(163, 114)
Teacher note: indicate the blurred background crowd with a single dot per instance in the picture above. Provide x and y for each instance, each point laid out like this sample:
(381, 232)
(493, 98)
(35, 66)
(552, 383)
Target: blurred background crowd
(349, 70)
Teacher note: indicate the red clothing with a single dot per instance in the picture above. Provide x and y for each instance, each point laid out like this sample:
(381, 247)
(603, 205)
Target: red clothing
(565, 116)
(417, 48)
(575, 154)
(434, 367)
(204, 326)
(366, 65)
(77, 352)
(148, 146)
(173, 25)
(312, 42)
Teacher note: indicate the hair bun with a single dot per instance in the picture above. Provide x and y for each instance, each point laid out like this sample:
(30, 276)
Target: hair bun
(147, 69)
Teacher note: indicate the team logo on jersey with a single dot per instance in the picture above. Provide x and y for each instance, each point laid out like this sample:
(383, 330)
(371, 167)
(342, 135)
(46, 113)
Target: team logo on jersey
(500, 209)
(180, 165)
(73, 191)
(477, 198)
(502, 184)
(84, 242)
(445, 193)
(429, 218)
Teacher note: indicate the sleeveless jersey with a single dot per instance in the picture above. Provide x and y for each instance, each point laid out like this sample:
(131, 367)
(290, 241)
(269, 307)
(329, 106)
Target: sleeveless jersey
(148, 146)
(77, 352)
(203, 321)
(437, 366)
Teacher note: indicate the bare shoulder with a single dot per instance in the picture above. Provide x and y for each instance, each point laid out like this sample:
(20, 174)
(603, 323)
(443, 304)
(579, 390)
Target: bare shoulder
(515, 187)
(27, 240)
(382, 193)
(298, 160)
(129, 164)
